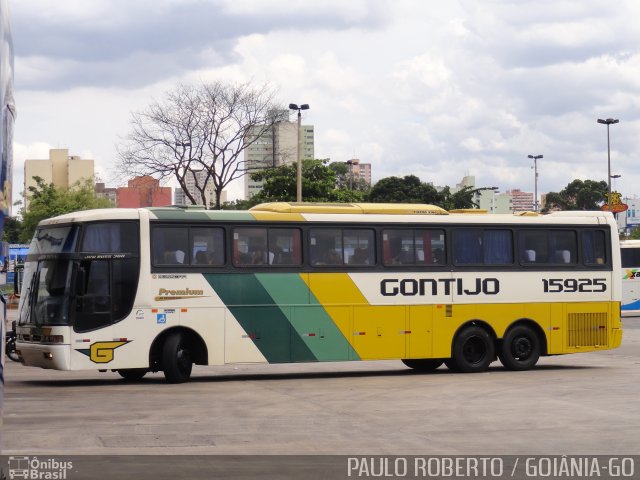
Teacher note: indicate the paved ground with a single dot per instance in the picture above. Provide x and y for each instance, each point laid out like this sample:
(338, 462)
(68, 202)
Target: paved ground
(576, 404)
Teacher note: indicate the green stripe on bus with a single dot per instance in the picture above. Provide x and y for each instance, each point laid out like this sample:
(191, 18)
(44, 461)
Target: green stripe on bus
(260, 317)
(307, 317)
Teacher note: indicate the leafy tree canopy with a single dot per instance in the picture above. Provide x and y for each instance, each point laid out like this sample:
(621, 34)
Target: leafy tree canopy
(46, 201)
(318, 184)
(578, 195)
(408, 189)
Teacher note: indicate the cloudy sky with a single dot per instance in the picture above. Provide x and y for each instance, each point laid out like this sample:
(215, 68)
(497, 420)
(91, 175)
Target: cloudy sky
(438, 89)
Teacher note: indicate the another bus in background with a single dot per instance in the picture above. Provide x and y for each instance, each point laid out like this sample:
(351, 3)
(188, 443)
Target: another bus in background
(630, 257)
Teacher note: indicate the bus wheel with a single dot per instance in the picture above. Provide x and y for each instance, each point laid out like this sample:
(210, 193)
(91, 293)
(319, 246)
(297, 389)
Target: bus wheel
(520, 348)
(473, 351)
(133, 374)
(422, 364)
(176, 358)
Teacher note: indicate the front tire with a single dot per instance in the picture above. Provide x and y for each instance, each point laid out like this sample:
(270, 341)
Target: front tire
(473, 351)
(422, 364)
(177, 359)
(11, 350)
(521, 349)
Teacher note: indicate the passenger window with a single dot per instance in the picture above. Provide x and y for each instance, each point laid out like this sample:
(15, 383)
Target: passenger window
(594, 247)
(170, 245)
(336, 246)
(207, 246)
(325, 246)
(413, 247)
(284, 246)
(482, 247)
(262, 246)
(548, 247)
(250, 246)
(358, 247)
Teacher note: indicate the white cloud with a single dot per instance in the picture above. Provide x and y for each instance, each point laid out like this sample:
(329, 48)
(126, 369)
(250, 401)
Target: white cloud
(436, 90)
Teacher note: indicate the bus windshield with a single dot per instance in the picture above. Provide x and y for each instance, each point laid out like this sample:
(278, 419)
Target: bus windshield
(81, 275)
(47, 277)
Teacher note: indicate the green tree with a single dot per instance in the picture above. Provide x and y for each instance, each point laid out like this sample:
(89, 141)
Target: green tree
(578, 195)
(463, 198)
(408, 189)
(46, 201)
(346, 179)
(11, 231)
(318, 184)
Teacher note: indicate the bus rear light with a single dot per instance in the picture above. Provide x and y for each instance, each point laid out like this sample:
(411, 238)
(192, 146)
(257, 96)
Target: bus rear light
(47, 355)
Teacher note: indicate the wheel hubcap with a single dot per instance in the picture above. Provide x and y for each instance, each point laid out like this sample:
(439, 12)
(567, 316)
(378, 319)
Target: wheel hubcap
(184, 359)
(474, 350)
(522, 348)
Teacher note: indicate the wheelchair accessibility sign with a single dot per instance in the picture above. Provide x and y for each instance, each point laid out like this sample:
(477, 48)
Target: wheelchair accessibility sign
(161, 318)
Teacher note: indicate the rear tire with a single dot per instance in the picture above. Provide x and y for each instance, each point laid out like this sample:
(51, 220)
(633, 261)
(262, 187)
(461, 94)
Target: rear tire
(177, 359)
(473, 351)
(133, 374)
(521, 349)
(422, 364)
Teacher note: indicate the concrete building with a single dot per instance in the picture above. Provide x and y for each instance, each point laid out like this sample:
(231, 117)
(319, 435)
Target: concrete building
(522, 201)
(276, 147)
(143, 191)
(511, 201)
(60, 169)
(362, 170)
(109, 193)
(198, 178)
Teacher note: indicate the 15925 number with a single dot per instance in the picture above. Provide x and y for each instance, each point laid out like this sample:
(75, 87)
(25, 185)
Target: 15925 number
(570, 285)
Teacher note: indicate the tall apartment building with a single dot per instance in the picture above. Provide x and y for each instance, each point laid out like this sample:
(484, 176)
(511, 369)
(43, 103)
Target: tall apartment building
(198, 177)
(276, 147)
(362, 170)
(522, 201)
(60, 169)
(143, 191)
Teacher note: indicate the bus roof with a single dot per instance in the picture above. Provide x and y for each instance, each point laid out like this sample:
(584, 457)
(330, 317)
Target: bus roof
(366, 208)
(335, 212)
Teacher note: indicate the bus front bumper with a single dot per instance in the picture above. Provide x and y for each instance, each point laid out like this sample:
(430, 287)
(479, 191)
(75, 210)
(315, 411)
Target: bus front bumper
(55, 357)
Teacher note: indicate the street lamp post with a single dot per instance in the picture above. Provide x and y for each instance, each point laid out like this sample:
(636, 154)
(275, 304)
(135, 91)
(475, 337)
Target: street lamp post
(294, 106)
(535, 169)
(607, 122)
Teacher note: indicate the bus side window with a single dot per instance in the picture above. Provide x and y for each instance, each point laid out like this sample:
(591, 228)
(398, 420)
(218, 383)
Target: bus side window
(207, 245)
(170, 245)
(594, 247)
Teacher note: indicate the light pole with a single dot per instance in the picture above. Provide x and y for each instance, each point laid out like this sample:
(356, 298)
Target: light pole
(294, 106)
(535, 169)
(607, 122)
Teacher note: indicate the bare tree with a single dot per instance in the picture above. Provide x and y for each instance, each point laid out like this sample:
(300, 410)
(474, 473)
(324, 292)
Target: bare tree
(198, 128)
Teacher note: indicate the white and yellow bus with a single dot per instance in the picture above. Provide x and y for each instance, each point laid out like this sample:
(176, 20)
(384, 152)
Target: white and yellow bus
(630, 260)
(161, 289)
